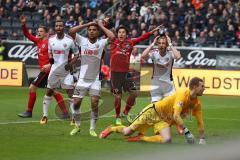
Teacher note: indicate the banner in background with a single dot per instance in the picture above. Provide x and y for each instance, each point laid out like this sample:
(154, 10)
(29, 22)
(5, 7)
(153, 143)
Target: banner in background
(11, 73)
(192, 57)
(209, 58)
(21, 51)
(217, 82)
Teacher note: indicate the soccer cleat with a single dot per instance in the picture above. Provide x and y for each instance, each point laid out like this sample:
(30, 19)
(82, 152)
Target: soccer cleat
(118, 121)
(72, 123)
(134, 139)
(25, 114)
(105, 133)
(44, 120)
(75, 131)
(92, 133)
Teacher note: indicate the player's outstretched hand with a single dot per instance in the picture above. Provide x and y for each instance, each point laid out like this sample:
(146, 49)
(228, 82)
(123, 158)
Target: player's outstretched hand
(23, 19)
(156, 29)
(68, 67)
(202, 141)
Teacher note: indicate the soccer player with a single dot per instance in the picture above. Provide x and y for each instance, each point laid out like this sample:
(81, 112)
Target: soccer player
(167, 111)
(121, 48)
(43, 59)
(59, 47)
(163, 59)
(91, 57)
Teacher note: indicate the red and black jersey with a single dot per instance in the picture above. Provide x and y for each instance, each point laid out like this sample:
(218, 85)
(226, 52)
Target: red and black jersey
(42, 45)
(121, 52)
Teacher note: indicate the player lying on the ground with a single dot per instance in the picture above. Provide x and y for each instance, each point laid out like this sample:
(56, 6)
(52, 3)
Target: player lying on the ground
(167, 110)
(43, 59)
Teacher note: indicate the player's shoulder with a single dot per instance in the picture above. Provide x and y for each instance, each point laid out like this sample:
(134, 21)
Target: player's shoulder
(68, 37)
(52, 37)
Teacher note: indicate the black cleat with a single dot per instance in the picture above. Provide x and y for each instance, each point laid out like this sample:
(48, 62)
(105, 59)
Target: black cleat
(25, 114)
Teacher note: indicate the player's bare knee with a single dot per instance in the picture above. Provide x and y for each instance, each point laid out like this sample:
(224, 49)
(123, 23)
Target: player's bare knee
(166, 140)
(32, 88)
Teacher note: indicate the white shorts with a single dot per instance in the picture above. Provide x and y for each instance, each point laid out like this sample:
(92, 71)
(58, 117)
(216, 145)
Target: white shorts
(57, 81)
(161, 89)
(93, 87)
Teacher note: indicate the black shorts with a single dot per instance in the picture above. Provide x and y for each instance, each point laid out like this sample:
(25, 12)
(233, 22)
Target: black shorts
(41, 80)
(121, 80)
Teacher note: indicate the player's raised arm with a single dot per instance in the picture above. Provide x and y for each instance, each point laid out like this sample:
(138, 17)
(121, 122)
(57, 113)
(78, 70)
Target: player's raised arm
(108, 32)
(176, 53)
(25, 30)
(146, 52)
(76, 29)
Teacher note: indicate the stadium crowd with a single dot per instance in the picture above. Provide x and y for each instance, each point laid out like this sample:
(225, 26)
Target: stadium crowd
(214, 23)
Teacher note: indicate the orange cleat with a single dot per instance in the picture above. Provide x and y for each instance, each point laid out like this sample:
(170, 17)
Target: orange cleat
(105, 133)
(134, 139)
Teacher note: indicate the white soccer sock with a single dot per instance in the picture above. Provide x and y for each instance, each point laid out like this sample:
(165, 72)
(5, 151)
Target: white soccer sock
(77, 118)
(71, 106)
(94, 117)
(46, 103)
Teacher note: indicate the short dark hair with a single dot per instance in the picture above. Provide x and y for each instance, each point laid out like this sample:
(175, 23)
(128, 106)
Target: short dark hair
(59, 21)
(194, 82)
(123, 27)
(44, 28)
(93, 24)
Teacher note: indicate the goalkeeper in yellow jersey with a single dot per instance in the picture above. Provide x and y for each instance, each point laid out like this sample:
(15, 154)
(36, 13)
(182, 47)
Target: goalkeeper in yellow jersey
(168, 111)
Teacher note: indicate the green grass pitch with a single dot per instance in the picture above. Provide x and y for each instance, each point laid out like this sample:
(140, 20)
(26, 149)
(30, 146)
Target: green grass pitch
(27, 139)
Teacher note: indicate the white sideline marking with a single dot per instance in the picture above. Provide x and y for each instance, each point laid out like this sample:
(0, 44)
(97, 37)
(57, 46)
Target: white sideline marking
(107, 116)
(50, 120)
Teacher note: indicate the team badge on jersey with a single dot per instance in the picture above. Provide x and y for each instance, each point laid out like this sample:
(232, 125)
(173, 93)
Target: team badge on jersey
(65, 45)
(44, 45)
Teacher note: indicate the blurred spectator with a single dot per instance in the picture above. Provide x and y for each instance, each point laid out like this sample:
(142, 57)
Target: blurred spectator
(2, 48)
(14, 36)
(3, 34)
(201, 40)
(229, 38)
(29, 7)
(211, 39)
(218, 16)
(71, 22)
(238, 36)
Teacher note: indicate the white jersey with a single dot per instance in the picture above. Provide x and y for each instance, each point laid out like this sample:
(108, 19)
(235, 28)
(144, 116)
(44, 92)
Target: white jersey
(162, 65)
(60, 49)
(91, 55)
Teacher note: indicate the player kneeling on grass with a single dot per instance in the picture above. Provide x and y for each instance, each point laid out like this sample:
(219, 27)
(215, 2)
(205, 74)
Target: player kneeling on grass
(164, 112)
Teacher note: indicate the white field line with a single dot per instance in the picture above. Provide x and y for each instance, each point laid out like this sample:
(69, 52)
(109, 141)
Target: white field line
(50, 120)
(105, 116)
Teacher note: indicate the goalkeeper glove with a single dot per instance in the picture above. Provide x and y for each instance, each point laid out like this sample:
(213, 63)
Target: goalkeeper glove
(202, 141)
(69, 67)
(188, 136)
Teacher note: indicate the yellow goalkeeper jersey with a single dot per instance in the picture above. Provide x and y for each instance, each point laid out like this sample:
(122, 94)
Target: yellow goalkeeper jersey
(179, 104)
